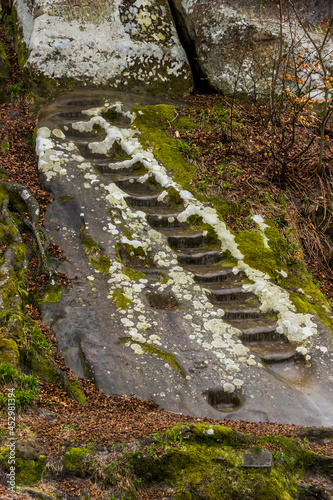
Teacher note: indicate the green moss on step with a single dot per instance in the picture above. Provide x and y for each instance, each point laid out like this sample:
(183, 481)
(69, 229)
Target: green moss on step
(135, 251)
(101, 264)
(175, 200)
(139, 168)
(151, 349)
(120, 300)
(211, 238)
(133, 275)
(153, 122)
(164, 278)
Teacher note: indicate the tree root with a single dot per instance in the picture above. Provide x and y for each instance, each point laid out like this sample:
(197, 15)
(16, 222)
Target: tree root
(33, 212)
(29, 200)
(40, 246)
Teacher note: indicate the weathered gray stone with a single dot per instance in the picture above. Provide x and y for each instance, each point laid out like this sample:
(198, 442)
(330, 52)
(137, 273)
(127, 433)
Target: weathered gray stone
(236, 44)
(182, 353)
(121, 44)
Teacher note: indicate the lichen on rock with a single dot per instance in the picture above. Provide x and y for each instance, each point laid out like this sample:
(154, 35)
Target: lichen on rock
(101, 45)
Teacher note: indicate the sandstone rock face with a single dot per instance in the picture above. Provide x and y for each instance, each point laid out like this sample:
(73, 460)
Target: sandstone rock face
(123, 44)
(236, 43)
(153, 308)
(4, 71)
(229, 38)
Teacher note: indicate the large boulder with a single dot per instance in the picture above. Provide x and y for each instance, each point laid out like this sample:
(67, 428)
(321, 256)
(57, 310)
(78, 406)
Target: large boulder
(122, 44)
(236, 44)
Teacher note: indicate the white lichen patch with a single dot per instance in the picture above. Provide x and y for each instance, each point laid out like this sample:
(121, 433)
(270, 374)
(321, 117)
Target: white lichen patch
(105, 44)
(262, 226)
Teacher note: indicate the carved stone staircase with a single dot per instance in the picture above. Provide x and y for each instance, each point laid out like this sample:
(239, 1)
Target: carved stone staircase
(221, 282)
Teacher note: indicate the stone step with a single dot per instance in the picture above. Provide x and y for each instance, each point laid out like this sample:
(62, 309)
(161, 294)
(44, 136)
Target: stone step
(164, 219)
(241, 310)
(228, 293)
(144, 201)
(132, 186)
(82, 102)
(73, 134)
(216, 275)
(261, 334)
(111, 169)
(197, 257)
(186, 240)
(70, 115)
(276, 352)
(245, 324)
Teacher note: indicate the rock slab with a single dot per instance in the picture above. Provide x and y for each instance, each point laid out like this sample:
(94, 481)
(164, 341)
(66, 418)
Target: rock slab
(121, 44)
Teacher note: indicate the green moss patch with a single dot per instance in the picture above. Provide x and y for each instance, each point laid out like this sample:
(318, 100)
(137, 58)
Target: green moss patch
(153, 122)
(211, 238)
(175, 200)
(133, 275)
(63, 199)
(52, 294)
(74, 458)
(5, 145)
(101, 264)
(120, 300)
(127, 233)
(151, 349)
(94, 253)
(77, 391)
(198, 464)
(280, 256)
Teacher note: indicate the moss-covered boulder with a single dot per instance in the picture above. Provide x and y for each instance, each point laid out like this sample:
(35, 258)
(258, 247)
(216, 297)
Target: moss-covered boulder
(133, 44)
(28, 470)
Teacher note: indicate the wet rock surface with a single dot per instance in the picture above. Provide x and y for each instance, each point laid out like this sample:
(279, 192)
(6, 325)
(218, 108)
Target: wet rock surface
(122, 44)
(153, 309)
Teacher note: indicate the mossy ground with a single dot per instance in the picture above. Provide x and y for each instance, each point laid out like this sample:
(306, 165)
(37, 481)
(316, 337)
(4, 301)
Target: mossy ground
(198, 460)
